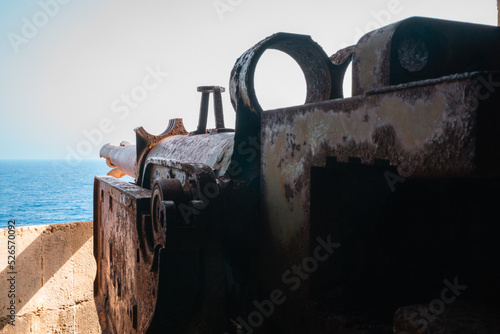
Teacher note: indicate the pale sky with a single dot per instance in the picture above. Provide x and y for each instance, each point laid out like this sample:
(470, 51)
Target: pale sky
(76, 74)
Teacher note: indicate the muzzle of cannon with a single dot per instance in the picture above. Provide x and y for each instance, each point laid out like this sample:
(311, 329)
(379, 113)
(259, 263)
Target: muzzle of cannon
(341, 215)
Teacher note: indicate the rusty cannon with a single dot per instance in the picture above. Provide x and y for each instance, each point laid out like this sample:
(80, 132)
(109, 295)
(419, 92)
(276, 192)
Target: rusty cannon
(376, 213)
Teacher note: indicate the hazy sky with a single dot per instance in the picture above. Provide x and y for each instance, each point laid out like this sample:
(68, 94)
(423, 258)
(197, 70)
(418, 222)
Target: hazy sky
(76, 74)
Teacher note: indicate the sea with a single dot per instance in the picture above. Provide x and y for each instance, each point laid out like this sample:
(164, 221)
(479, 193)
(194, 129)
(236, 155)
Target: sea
(42, 192)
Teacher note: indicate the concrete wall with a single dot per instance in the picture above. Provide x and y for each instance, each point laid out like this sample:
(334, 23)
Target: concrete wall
(54, 281)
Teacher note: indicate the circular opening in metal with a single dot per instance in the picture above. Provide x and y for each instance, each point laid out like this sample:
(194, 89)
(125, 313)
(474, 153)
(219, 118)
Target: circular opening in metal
(279, 81)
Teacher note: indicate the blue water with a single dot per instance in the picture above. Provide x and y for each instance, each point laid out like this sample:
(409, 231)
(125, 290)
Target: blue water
(40, 192)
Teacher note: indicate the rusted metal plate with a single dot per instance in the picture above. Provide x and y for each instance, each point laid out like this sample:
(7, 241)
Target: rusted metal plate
(427, 130)
(431, 129)
(125, 287)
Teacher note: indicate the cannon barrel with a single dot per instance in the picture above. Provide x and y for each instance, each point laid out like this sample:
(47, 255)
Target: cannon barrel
(122, 157)
(213, 150)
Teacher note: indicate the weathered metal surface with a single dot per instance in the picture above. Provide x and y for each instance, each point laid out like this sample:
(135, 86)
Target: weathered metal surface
(422, 48)
(125, 286)
(343, 56)
(146, 275)
(146, 141)
(186, 232)
(427, 126)
(432, 129)
(320, 74)
(178, 194)
(338, 211)
(323, 82)
(213, 150)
